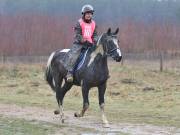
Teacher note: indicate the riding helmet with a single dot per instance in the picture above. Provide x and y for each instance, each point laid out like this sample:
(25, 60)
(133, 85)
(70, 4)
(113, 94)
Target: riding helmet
(87, 8)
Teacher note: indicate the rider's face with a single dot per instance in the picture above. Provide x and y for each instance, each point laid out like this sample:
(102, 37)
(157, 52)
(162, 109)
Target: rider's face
(88, 16)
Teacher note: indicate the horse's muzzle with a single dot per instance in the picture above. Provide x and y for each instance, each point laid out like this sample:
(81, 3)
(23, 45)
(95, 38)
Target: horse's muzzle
(118, 59)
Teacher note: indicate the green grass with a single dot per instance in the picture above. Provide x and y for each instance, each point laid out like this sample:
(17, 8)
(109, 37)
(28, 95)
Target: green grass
(11, 126)
(125, 101)
(14, 126)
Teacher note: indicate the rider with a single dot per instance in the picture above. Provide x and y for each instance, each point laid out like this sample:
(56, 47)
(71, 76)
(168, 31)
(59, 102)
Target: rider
(85, 36)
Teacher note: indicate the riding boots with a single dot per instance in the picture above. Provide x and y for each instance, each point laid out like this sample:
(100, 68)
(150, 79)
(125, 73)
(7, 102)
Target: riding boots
(69, 77)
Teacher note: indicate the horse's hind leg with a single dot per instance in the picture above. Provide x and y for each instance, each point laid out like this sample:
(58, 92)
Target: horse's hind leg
(85, 94)
(101, 91)
(60, 93)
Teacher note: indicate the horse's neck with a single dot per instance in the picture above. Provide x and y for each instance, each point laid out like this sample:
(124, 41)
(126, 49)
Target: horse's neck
(99, 50)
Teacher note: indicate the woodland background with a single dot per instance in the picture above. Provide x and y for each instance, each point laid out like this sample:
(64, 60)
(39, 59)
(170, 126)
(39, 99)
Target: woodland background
(31, 27)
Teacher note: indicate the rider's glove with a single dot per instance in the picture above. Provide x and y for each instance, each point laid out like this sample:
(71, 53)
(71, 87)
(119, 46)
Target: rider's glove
(88, 44)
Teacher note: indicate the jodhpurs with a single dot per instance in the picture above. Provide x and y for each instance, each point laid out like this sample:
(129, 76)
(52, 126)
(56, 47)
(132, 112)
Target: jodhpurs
(72, 56)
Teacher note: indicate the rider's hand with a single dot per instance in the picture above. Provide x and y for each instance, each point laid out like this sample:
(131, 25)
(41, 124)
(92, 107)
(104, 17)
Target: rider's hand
(83, 40)
(88, 44)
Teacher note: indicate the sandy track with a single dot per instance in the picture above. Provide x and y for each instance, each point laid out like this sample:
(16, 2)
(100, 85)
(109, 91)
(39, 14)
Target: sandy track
(87, 122)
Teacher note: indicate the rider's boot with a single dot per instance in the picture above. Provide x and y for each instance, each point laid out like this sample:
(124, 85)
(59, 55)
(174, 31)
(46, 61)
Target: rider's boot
(69, 77)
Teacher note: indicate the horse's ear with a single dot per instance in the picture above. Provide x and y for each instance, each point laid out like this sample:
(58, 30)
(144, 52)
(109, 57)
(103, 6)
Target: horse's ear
(116, 32)
(109, 31)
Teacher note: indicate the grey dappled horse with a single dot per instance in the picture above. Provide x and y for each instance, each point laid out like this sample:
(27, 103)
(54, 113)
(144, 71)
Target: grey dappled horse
(93, 73)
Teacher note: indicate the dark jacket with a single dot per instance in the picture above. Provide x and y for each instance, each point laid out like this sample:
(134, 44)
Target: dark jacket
(78, 34)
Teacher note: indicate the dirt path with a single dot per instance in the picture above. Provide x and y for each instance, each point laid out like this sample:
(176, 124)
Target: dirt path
(87, 122)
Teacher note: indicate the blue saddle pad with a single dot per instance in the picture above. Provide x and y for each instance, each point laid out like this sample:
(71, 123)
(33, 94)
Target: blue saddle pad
(80, 61)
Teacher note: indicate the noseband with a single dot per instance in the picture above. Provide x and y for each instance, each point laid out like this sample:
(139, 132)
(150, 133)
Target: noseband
(109, 53)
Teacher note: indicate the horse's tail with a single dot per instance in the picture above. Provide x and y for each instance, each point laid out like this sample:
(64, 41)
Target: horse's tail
(48, 72)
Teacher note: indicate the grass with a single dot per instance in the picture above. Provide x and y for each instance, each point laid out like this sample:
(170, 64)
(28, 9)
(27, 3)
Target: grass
(11, 126)
(14, 126)
(126, 99)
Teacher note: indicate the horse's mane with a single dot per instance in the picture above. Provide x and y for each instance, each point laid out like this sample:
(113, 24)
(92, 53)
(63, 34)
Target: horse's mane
(99, 39)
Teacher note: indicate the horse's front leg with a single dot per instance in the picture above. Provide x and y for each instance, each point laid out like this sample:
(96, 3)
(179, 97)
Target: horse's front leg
(85, 94)
(101, 91)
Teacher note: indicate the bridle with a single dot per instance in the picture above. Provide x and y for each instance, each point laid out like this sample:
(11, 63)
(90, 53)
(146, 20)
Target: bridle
(109, 53)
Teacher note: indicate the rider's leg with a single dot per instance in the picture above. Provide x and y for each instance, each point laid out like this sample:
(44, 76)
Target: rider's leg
(71, 59)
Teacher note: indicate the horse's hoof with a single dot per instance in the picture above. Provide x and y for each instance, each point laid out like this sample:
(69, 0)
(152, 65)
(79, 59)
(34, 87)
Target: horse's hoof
(77, 115)
(106, 125)
(56, 112)
(63, 120)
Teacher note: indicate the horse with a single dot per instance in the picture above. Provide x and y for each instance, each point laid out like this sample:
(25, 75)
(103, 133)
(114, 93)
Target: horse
(93, 73)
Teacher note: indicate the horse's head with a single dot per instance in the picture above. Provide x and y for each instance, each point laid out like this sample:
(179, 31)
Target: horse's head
(110, 44)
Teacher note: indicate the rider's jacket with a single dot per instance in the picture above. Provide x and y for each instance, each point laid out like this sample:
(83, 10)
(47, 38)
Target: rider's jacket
(86, 31)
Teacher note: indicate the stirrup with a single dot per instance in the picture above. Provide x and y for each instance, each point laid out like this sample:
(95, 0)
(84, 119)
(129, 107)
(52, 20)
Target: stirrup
(69, 78)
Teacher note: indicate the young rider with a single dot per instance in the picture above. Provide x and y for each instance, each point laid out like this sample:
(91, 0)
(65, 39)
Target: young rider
(85, 35)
